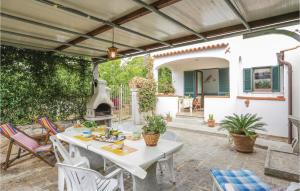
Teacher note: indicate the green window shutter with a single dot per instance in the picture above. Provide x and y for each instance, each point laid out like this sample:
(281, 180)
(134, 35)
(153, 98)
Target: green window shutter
(247, 76)
(276, 79)
(223, 81)
(189, 83)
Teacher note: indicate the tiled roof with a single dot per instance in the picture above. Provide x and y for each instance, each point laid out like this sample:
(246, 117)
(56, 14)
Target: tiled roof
(195, 49)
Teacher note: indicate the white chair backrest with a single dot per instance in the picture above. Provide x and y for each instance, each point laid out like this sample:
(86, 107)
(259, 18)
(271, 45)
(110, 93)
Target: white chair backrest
(168, 135)
(60, 150)
(83, 179)
(72, 159)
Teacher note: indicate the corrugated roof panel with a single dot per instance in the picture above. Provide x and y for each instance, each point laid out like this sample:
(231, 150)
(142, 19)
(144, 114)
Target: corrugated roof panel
(202, 15)
(48, 14)
(34, 30)
(99, 45)
(105, 9)
(124, 37)
(29, 41)
(258, 9)
(156, 26)
(85, 51)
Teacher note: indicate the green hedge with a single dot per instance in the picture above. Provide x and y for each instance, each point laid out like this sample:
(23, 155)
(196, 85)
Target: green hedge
(35, 83)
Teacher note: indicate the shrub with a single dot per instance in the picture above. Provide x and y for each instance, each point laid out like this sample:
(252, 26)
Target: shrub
(166, 89)
(35, 83)
(147, 96)
(242, 124)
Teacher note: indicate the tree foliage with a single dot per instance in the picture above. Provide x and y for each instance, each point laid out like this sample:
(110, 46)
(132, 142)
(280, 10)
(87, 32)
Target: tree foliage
(116, 74)
(35, 83)
(165, 81)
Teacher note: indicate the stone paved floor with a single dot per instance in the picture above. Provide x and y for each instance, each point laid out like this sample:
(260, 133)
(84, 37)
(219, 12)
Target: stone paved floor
(200, 153)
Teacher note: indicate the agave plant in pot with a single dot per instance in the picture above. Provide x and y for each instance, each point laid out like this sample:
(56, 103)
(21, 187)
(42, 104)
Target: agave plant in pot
(155, 125)
(242, 130)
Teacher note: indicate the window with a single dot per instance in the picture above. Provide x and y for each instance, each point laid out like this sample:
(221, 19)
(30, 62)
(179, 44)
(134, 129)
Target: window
(262, 79)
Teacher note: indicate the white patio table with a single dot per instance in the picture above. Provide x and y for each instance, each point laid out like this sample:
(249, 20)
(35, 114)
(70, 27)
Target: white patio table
(140, 163)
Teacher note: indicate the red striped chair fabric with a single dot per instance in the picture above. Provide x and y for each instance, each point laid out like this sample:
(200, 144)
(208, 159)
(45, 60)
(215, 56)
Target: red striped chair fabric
(45, 122)
(8, 130)
(30, 143)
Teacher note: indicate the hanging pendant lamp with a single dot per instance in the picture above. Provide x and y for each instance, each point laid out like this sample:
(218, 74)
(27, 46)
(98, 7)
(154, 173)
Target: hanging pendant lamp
(112, 51)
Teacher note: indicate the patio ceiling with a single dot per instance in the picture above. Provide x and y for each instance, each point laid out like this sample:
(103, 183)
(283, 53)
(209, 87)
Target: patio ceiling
(84, 27)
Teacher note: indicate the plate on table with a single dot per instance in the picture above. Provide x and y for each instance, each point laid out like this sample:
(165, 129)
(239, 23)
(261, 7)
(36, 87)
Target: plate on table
(111, 139)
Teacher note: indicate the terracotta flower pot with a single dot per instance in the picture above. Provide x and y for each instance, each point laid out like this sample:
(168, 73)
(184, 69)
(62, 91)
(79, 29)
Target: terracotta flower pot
(243, 143)
(169, 119)
(211, 123)
(151, 139)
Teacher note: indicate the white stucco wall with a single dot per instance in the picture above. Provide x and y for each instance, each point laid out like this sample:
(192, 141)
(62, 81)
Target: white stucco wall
(244, 53)
(167, 105)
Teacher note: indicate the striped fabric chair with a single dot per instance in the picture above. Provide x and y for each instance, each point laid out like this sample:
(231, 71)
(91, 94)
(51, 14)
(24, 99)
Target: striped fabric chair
(24, 142)
(236, 180)
(49, 126)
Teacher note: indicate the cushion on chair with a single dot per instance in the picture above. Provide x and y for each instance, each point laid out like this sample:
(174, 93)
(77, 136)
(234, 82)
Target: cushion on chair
(8, 130)
(242, 180)
(28, 142)
(45, 122)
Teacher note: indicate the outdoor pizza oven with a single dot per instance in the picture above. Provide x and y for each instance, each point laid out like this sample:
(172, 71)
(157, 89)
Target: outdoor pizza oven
(99, 106)
(103, 109)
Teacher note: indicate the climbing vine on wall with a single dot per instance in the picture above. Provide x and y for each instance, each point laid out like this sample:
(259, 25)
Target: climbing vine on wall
(35, 83)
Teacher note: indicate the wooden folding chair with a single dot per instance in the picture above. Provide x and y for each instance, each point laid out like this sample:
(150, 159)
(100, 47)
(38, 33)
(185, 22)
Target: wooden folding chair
(24, 142)
(51, 128)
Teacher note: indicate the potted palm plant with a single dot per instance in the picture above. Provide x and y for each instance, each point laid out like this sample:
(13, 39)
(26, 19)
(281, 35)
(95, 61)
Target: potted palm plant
(155, 125)
(242, 129)
(211, 120)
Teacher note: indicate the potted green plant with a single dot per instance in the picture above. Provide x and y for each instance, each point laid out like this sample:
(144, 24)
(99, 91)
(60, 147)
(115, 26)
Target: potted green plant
(211, 120)
(155, 125)
(90, 124)
(242, 129)
(169, 117)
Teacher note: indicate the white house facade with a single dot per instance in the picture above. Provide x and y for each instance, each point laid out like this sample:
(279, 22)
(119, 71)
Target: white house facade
(235, 75)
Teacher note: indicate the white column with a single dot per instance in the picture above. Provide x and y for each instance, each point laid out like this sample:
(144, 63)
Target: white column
(155, 74)
(135, 107)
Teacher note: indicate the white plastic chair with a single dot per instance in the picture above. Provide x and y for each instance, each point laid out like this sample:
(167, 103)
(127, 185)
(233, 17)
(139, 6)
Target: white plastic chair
(168, 160)
(83, 179)
(63, 156)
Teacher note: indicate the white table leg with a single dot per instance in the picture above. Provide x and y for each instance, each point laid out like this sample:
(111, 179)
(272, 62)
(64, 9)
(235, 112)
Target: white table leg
(149, 183)
(171, 169)
(61, 180)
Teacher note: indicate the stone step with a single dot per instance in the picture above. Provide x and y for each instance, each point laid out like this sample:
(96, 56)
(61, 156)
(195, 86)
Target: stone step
(189, 116)
(201, 128)
(193, 121)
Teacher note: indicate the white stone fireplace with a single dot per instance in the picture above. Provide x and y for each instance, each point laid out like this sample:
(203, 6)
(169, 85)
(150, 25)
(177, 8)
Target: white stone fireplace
(99, 107)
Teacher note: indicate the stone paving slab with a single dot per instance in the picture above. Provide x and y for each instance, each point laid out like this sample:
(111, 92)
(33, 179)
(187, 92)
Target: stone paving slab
(282, 164)
(204, 129)
(199, 153)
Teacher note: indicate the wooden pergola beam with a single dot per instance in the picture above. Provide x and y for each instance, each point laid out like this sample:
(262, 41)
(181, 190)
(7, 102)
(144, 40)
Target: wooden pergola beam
(122, 20)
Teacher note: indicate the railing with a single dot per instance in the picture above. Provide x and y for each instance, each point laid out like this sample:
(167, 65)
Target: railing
(121, 98)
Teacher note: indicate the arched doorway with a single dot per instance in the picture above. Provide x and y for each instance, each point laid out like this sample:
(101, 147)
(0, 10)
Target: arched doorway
(200, 77)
